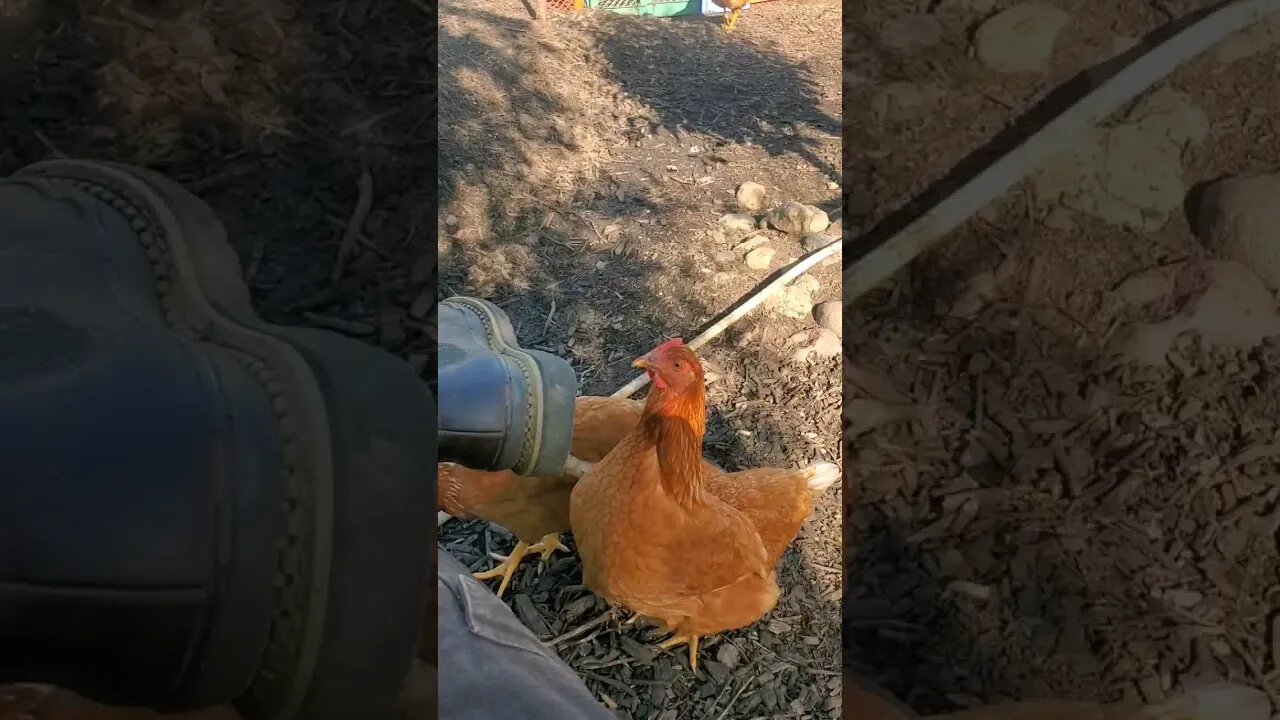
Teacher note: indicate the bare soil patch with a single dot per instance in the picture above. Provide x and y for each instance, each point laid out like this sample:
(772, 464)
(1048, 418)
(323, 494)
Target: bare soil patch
(585, 166)
(1030, 517)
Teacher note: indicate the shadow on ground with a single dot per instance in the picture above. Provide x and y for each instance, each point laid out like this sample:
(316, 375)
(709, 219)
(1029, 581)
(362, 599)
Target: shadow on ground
(268, 112)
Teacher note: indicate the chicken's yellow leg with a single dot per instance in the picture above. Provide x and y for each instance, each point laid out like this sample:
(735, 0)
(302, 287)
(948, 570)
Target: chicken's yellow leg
(731, 20)
(691, 640)
(547, 545)
(507, 567)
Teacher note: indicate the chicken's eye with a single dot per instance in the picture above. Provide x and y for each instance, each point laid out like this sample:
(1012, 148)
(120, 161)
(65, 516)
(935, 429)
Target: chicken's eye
(679, 364)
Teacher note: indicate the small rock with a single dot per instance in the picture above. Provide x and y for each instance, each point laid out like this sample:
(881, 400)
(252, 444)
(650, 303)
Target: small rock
(751, 195)
(792, 302)
(451, 220)
(1144, 289)
(724, 257)
(797, 218)
(795, 300)
(717, 236)
(830, 316)
(833, 185)
(913, 32)
(1223, 301)
(1129, 174)
(729, 655)
(1020, 39)
(808, 283)
(809, 243)
(737, 222)
(815, 342)
(760, 258)
(1059, 218)
(1239, 219)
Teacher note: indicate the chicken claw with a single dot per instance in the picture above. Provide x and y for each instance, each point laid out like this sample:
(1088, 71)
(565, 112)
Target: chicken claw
(677, 640)
(506, 569)
(731, 20)
(547, 545)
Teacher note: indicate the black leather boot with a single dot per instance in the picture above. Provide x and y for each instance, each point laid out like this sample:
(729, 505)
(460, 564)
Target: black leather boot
(195, 506)
(501, 407)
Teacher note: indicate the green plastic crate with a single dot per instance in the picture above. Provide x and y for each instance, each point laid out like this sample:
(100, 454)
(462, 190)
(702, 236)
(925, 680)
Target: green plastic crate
(651, 8)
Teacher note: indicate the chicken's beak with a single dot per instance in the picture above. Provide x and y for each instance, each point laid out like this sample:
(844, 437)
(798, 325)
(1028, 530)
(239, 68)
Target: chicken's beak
(641, 363)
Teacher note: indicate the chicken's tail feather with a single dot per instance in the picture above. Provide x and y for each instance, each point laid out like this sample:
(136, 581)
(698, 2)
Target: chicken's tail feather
(1216, 701)
(821, 476)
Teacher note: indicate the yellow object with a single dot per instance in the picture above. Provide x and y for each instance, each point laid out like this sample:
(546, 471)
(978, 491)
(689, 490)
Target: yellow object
(507, 568)
(731, 20)
(691, 640)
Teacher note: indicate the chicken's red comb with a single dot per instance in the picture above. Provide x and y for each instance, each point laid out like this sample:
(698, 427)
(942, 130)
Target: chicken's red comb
(669, 345)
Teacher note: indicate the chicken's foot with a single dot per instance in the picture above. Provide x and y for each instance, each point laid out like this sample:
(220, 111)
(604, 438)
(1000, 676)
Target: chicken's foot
(547, 545)
(731, 20)
(677, 640)
(506, 568)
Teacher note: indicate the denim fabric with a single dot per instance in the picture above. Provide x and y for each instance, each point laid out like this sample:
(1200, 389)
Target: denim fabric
(492, 667)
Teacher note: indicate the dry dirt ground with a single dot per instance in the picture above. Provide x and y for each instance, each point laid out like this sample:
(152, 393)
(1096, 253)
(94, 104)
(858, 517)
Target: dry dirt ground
(584, 166)
(1029, 518)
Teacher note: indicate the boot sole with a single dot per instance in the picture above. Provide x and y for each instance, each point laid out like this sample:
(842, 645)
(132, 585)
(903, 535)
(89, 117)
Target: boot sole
(202, 296)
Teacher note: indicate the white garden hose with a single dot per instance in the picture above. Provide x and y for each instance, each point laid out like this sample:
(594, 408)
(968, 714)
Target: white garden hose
(895, 253)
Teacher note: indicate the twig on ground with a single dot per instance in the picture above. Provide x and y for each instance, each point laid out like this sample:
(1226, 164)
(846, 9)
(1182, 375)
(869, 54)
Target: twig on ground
(48, 144)
(363, 204)
(581, 629)
(725, 713)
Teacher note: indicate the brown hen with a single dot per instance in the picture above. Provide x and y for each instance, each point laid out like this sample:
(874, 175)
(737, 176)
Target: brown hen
(665, 536)
(734, 8)
(535, 509)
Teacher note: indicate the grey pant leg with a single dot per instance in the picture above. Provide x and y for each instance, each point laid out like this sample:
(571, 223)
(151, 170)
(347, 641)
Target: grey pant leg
(492, 667)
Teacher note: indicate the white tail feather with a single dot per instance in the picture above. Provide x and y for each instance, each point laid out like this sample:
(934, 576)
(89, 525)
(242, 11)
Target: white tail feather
(822, 476)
